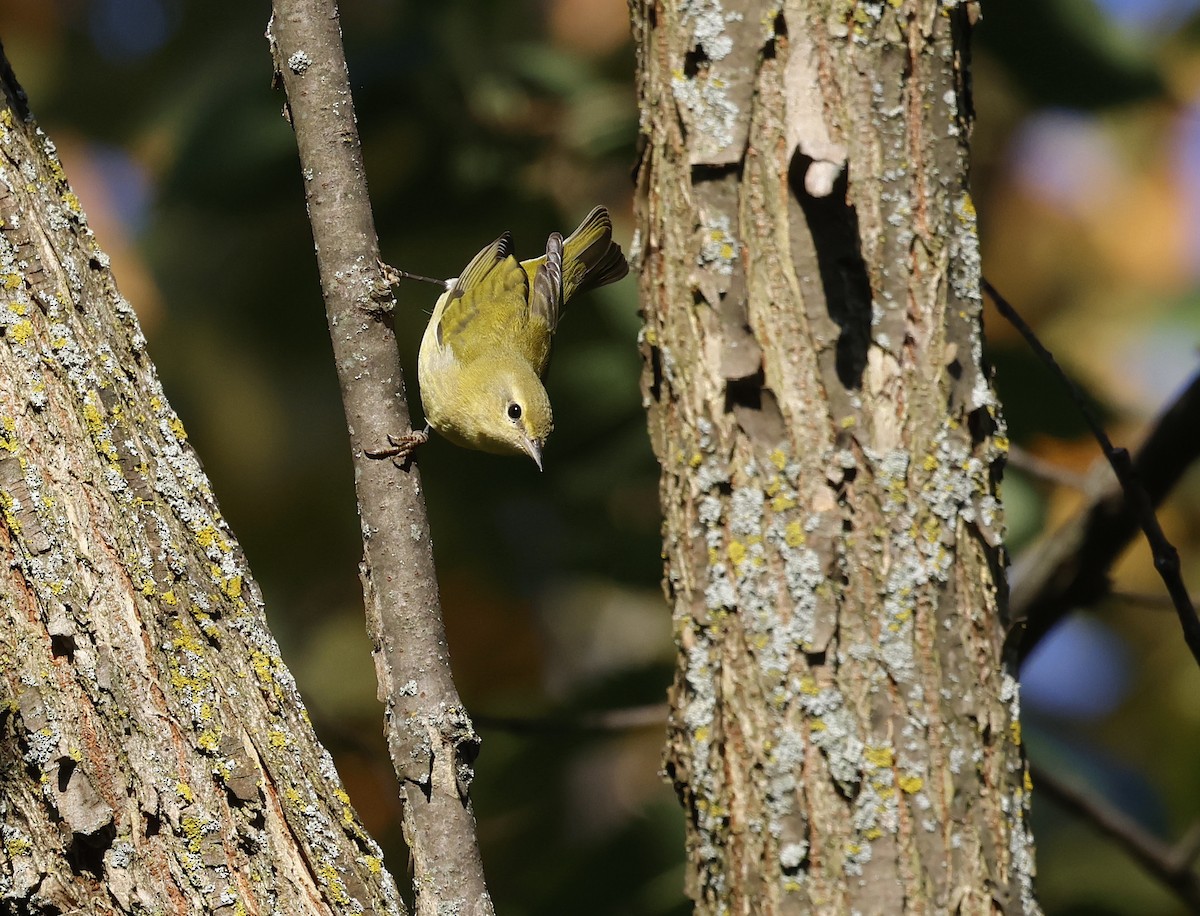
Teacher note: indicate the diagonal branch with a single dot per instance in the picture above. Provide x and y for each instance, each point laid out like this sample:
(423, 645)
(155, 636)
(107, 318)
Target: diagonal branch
(1078, 578)
(624, 719)
(1170, 865)
(1045, 470)
(430, 737)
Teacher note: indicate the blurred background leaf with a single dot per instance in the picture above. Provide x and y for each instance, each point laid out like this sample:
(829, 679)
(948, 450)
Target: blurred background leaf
(484, 115)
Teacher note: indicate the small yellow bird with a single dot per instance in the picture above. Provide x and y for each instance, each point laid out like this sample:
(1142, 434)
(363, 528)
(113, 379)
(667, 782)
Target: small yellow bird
(487, 344)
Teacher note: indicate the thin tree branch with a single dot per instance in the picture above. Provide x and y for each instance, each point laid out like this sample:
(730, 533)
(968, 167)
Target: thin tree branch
(1170, 865)
(1148, 599)
(605, 720)
(1042, 469)
(1139, 501)
(430, 737)
(1186, 851)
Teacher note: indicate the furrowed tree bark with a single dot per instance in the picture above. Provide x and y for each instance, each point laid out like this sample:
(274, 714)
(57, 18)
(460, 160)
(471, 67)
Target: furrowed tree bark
(844, 734)
(430, 737)
(156, 754)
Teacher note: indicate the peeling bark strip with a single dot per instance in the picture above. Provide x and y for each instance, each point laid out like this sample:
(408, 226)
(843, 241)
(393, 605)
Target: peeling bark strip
(844, 733)
(156, 754)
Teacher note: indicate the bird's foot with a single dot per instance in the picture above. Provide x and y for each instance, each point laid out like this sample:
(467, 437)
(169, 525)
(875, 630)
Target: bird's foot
(401, 448)
(391, 276)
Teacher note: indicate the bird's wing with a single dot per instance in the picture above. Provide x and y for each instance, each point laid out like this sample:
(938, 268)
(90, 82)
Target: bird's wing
(547, 298)
(483, 302)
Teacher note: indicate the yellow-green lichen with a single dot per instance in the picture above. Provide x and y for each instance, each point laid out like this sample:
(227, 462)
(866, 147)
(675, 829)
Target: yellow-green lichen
(333, 881)
(21, 332)
(232, 586)
(910, 785)
(193, 831)
(737, 552)
(8, 434)
(793, 534)
(10, 517)
(879, 756)
(209, 537)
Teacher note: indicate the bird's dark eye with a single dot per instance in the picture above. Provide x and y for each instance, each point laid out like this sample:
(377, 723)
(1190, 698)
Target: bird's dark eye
(514, 411)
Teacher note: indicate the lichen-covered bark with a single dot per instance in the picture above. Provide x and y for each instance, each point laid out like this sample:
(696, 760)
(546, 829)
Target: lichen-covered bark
(156, 756)
(844, 733)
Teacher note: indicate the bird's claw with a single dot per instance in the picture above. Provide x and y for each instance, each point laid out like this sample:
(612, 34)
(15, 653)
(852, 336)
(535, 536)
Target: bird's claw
(401, 448)
(391, 276)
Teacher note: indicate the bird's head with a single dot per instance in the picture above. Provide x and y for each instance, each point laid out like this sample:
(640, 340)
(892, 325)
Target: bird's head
(519, 418)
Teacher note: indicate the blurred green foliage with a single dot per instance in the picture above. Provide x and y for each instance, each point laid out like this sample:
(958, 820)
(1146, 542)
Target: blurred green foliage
(479, 116)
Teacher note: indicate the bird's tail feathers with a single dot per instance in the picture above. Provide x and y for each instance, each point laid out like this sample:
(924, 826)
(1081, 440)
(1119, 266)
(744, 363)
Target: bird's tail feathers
(590, 256)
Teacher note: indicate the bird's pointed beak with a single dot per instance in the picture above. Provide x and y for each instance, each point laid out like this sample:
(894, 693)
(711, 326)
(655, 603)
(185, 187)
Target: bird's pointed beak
(534, 449)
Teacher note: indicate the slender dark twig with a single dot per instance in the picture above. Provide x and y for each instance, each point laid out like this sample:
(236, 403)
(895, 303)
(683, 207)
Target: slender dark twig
(1187, 850)
(1166, 557)
(1069, 568)
(1147, 599)
(608, 720)
(1170, 865)
(1034, 466)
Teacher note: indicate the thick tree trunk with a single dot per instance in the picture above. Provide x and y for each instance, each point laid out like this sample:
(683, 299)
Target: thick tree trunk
(157, 757)
(844, 734)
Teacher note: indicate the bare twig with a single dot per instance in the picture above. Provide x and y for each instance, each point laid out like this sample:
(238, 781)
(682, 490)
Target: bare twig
(1148, 599)
(1187, 850)
(1034, 466)
(1138, 498)
(430, 737)
(1170, 865)
(1070, 568)
(607, 720)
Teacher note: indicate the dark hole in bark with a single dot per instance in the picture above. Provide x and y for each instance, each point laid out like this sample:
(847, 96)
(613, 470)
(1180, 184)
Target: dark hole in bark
(833, 223)
(86, 850)
(693, 61)
(63, 645)
(707, 171)
(779, 30)
(981, 424)
(656, 373)
(756, 409)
